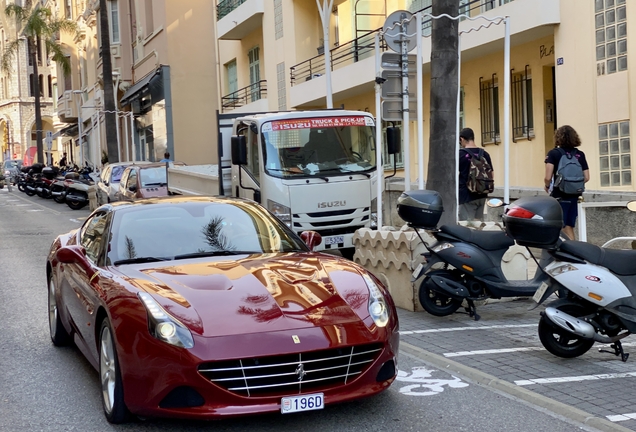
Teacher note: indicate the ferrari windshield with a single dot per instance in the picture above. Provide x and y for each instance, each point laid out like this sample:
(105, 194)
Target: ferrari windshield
(163, 231)
(318, 146)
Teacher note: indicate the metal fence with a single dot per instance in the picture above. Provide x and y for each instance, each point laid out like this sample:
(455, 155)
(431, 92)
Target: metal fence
(251, 93)
(226, 6)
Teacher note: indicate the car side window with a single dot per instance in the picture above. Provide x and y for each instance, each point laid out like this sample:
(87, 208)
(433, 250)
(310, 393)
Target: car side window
(106, 174)
(132, 179)
(124, 179)
(93, 237)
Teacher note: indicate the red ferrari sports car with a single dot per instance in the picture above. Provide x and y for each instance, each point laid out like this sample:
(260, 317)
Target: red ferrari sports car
(212, 307)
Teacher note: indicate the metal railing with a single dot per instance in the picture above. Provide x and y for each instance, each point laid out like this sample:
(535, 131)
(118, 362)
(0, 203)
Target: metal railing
(224, 7)
(343, 55)
(249, 94)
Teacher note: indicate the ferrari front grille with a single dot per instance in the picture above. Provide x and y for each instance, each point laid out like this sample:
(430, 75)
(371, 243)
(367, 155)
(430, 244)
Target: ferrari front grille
(291, 373)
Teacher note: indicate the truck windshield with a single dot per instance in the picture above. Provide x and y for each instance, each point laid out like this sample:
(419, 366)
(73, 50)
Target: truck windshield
(318, 146)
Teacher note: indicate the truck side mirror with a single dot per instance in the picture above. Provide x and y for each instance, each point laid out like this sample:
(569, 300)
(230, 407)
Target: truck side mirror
(239, 150)
(393, 140)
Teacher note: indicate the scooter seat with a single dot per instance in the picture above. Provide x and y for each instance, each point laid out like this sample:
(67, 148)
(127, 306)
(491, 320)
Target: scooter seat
(621, 262)
(488, 240)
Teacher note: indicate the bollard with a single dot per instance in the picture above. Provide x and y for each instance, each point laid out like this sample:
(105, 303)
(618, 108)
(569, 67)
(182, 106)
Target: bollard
(92, 197)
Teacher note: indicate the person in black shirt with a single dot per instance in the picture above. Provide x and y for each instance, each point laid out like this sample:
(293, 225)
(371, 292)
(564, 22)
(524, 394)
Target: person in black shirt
(471, 205)
(567, 139)
(63, 161)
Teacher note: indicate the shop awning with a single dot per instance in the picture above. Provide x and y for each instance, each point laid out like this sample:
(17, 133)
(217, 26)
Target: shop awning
(138, 89)
(70, 130)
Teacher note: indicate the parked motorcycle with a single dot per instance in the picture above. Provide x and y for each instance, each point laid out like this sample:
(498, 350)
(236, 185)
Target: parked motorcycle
(600, 305)
(470, 260)
(77, 191)
(2, 181)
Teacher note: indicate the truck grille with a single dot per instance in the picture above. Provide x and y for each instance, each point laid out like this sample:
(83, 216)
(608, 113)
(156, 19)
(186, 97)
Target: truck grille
(291, 373)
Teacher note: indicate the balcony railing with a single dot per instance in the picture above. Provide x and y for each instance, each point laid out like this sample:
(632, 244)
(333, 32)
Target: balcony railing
(343, 55)
(249, 94)
(363, 46)
(224, 7)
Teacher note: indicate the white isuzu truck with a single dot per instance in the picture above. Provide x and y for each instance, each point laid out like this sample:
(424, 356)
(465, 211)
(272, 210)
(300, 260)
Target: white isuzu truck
(315, 170)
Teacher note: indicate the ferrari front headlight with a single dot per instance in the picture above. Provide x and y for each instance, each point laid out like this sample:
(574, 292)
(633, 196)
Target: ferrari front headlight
(163, 326)
(378, 308)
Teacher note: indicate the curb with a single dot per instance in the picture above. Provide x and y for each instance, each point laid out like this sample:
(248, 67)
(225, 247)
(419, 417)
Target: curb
(487, 380)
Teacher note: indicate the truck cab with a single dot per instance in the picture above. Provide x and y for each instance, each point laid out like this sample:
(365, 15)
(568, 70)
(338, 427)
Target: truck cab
(315, 170)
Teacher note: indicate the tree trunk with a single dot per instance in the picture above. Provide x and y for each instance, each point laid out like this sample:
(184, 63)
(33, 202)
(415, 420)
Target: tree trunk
(442, 171)
(109, 93)
(38, 106)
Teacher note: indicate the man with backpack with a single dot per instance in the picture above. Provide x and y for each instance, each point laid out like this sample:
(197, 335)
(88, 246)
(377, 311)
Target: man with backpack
(475, 177)
(566, 172)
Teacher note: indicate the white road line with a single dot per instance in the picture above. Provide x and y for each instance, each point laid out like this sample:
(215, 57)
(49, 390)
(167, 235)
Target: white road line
(22, 205)
(621, 417)
(35, 210)
(452, 329)
(575, 378)
(491, 351)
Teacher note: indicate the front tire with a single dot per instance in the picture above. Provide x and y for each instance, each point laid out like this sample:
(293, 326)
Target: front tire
(59, 199)
(110, 377)
(559, 341)
(434, 302)
(59, 335)
(76, 205)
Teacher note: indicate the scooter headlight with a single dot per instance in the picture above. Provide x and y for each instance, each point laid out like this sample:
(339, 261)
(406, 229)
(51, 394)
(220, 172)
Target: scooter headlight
(377, 304)
(441, 246)
(562, 269)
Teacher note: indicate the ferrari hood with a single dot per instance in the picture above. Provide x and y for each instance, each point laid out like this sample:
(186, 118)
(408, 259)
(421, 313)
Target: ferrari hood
(258, 293)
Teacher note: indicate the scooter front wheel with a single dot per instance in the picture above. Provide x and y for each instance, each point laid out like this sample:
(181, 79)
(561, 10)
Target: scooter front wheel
(76, 205)
(559, 341)
(435, 302)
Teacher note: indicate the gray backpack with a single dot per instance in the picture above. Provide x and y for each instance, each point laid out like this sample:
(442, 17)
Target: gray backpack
(569, 175)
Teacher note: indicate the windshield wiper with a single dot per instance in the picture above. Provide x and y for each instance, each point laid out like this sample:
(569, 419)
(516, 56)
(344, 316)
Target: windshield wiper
(341, 170)
(289, 171)
(215, 253)
(139, 260)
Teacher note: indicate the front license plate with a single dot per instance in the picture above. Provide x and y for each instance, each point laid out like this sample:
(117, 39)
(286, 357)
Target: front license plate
(292, 404)
(537, 295)
(334, 240)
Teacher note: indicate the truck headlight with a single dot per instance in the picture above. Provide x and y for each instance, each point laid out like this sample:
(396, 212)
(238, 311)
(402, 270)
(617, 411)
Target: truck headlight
(378, 308)
(163, 326)
(283, 213)
(374, 213)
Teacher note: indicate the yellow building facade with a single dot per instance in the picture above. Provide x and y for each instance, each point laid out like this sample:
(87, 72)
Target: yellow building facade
(569, 64)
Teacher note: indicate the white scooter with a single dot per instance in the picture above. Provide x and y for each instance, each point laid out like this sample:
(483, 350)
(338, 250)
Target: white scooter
(600, 305)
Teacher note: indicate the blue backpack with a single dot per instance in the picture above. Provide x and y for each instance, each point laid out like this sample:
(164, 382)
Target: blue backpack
(569, 175)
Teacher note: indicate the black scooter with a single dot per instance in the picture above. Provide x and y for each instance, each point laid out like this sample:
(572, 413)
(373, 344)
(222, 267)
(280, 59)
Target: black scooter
(464, 264)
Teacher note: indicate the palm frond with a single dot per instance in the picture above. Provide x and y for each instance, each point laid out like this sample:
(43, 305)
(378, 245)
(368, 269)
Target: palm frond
(59, 56)
(16, 11)
(10, 51)
(64, 26)
(36, 24)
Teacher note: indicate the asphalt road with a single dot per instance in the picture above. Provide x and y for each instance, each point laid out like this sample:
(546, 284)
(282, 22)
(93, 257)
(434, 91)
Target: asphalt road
(43, 388)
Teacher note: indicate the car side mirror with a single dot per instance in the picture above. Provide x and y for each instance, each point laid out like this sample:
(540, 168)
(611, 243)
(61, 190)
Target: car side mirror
(133, 188)
(75, 254)
(311, 239)
(239, 150)
(393, 140)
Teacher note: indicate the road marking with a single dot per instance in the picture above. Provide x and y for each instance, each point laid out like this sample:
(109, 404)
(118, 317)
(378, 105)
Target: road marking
(22, 205)
(29, 202)
(491, 351)
(621, 417)
(575, 378)
(421, 382)
(452, 329)
(35, 210)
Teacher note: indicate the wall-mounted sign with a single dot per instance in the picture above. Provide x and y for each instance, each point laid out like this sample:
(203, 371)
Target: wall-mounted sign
(559, 61)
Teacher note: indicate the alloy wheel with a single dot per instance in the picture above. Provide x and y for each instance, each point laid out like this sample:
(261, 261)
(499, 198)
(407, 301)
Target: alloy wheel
(107, 369)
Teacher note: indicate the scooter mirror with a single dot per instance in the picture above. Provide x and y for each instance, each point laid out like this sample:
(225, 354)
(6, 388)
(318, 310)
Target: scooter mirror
(631, 206)
(494, 202)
